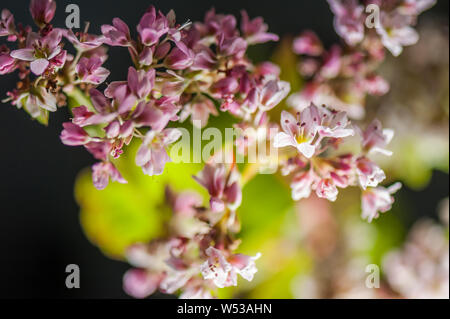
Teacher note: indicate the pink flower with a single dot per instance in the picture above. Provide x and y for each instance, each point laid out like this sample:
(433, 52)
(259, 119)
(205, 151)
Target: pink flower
(89, 70)
(376, 200)
(152, 27)
(369, 174)
(326, 188)
(139, 283)
(394, 39)
(300, 132)
(99, 149)
(152, 154)
(7, 27)
(415, 7)
(199, 110)
(348, 20)
(255, 31)
(224, 272)
(375, 138)
(180, 58)
(42, 11)
(196, 293)
(332, 63)
(117, 34)
(334, 124)
(222, 188)
(40, 99)
(74, 135)
(102, 172)
(42, 52)
(308, 43)
(272, 93)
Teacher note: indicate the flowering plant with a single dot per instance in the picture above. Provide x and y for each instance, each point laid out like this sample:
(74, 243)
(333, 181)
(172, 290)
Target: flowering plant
(201, 69)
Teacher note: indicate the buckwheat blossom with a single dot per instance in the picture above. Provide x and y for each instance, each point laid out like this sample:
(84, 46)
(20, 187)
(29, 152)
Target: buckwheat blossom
(308, 43)
(375, 138)
(42, 11)
(187, 266)
(255, 31)
(83, 41)
(377, 200)
(7, 27)
(43, 52)
(7, 63)
(196, 70)
(348, 20)
(420, 269)
(152, 154)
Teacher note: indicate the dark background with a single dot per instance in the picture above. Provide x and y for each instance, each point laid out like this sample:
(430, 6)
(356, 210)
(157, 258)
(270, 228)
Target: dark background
(40, 231)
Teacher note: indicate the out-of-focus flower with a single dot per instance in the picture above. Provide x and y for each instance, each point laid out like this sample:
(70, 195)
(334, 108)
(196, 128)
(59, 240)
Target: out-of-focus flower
(84, 42)
(223, 187)
(7, 63)
(377, 200)
(301, 132)
(223, 272)
(139, 283)
(308, 43)
(394, 39)
(43, 52)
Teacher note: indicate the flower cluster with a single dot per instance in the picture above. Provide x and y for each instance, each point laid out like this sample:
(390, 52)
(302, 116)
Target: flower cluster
(196, 257)
(313, 134)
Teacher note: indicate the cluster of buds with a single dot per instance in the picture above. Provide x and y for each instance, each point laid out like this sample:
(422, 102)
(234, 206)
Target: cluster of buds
(196, 256)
